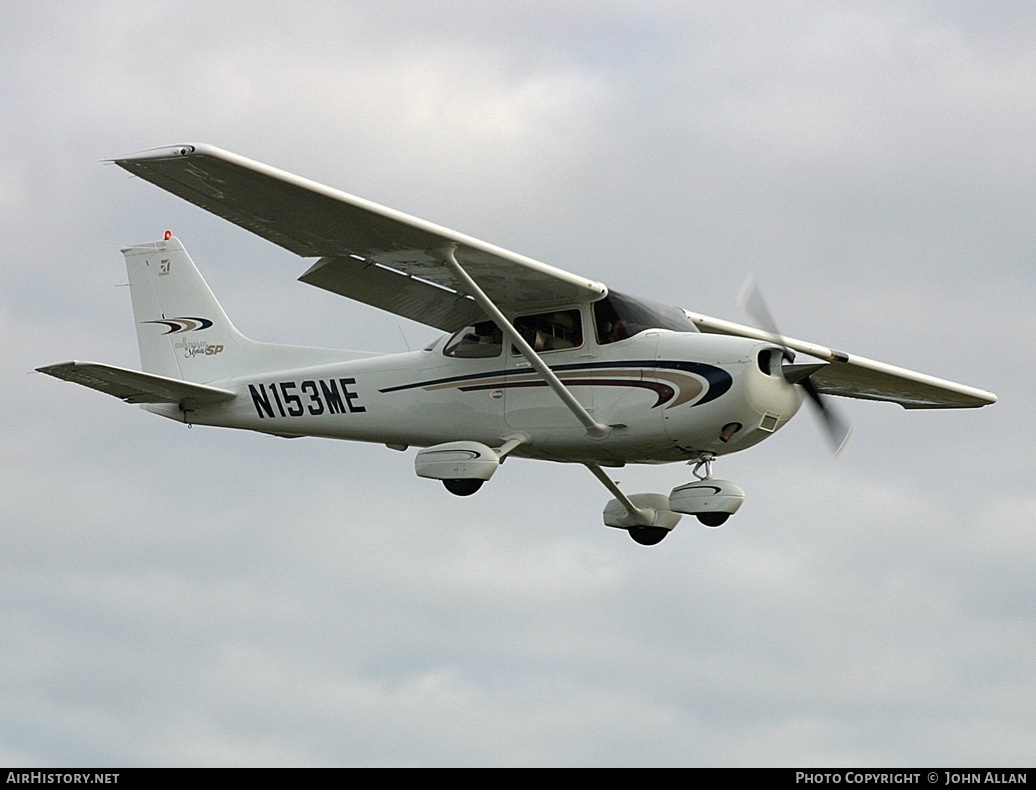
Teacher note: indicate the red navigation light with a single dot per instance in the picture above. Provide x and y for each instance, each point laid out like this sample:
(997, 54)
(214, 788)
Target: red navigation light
(168, 235)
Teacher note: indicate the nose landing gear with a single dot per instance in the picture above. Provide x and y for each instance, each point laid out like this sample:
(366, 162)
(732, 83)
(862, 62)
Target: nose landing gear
(712, 519)
(709, 499)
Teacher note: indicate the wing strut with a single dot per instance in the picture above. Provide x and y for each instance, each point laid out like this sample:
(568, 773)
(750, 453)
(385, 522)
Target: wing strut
(640, 515)
(594, 429)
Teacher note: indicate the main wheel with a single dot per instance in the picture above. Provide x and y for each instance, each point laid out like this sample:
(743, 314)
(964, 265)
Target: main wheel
(463, 487)
(648, 536)
(713, 519)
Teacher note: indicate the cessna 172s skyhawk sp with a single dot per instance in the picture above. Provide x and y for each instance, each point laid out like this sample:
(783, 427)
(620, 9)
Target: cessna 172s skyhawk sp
(536, 362)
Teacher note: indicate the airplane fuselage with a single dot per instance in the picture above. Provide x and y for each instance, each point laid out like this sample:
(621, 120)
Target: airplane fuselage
(667, 396)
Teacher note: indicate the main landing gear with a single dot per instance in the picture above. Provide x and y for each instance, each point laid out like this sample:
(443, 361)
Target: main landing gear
(648, 536)
(464, 466)
(463, 487)
(648, 518)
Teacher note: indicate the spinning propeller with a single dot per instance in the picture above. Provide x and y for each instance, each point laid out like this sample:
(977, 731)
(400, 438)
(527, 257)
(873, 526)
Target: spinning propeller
(836, 425)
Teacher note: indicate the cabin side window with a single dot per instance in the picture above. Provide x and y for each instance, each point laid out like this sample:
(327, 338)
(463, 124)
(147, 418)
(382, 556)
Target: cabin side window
(554, 331)
(480, 340)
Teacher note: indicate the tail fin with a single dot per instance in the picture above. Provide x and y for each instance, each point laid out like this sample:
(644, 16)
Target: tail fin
(182, 331)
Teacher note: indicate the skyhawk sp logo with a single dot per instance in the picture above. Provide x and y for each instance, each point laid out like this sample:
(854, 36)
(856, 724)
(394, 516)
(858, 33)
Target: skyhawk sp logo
(183, 324)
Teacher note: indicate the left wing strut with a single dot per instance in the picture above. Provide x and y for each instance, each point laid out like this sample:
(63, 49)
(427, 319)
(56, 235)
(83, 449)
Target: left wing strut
(594, 429)
(639, 515)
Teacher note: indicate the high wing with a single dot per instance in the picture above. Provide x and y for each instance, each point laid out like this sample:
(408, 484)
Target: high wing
(395, 262)
(367, 252)
(134, 386)
(852, 376)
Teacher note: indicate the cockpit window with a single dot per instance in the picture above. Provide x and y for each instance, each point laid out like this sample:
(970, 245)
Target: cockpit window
(554, 331)
(617, 317)
(476, 341)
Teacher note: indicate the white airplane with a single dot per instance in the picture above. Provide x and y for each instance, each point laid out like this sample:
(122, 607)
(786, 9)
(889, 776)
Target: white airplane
(536, 362)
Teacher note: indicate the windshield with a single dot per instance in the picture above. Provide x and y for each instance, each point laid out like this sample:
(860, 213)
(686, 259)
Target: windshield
(617, 317)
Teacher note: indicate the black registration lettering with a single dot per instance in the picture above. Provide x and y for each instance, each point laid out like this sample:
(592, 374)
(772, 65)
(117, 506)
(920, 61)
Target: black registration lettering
(261, 400)
(293, 401)
(315, 405)
(322, 396)
(277, 399)
(350, 396)
(332, 397)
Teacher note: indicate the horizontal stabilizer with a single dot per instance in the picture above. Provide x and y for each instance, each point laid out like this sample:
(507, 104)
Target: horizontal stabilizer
(133, 386)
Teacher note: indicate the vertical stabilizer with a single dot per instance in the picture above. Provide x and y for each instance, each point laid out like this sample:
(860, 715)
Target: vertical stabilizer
(182, 331)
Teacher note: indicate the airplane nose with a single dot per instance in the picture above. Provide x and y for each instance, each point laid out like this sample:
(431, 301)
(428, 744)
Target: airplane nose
(769, 394)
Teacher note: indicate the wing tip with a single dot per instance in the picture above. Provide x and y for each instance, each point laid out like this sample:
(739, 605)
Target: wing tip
(167, 152)
(52, 370)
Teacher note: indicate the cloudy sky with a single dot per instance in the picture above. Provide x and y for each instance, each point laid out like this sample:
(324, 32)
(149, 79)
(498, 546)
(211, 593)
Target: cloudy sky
(203, 597)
